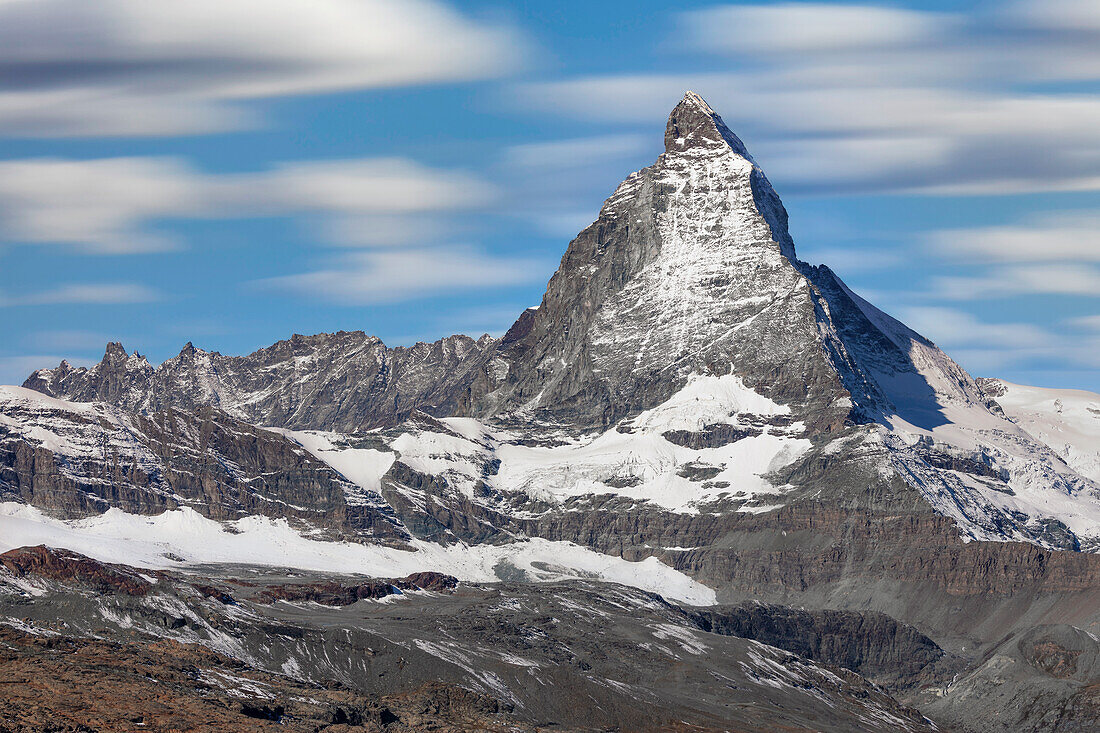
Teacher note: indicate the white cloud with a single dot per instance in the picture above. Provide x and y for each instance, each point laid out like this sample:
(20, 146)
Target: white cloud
(71, 340)
(1007, 282)
(1089, 323)
(133, 67)
(388, 276)
(565, 224)
(374, 185)
(1070, 235)
(849, 260)
(860, 98)
(96, 203)
(86, 294)
(577, 152)
(384, 230)
(1059, 14)
(801, 27)
(989, 347)
(952, 327)
(107, 205)
(494, 320)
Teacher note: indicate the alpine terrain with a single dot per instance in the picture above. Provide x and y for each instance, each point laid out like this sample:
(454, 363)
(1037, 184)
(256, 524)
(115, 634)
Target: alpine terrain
(701, 486)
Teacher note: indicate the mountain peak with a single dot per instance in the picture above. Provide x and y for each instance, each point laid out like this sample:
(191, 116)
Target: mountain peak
(693, 124)
(115, 352)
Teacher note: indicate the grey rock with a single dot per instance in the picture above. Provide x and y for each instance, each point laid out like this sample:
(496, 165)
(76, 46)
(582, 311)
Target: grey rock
(345, 381)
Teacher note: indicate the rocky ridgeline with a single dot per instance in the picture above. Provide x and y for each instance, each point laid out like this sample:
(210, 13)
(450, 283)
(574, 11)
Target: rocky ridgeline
(72, 567)
(344, 381)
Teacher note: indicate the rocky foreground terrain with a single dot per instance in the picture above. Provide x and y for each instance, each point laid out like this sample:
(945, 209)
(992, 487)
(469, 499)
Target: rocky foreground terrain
(701, 486)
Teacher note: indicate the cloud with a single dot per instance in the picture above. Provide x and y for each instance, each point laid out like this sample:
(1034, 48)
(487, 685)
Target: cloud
(566, 224)
(374, 185)
(71, 340)
(388, 276)
(1089, 323)
(1052, 236)
(859, 98)
(556, 185)
(1008, 282)
(989, 347)
(383, 230)
(132, 67)
(86, 294)
(849, 260)
(952, 327)
(99, 204)
(801, 27)
(494, 320)
(577, 152)
(107, 206)
(1073, 15)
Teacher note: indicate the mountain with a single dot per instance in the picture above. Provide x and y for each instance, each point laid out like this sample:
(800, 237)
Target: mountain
(342, 381)
(691, 410)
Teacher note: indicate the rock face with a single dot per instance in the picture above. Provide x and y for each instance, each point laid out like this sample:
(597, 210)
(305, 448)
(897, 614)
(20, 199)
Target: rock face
(339, 594)
(688, 269)
(894, 655)
(80, 459)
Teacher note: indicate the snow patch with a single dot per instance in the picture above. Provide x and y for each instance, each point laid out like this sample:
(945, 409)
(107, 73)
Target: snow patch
(150, 541)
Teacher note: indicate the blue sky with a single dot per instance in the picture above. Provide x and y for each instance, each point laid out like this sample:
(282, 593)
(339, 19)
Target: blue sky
(230, 172)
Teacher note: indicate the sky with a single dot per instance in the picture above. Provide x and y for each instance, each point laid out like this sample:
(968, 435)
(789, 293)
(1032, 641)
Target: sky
(231, 172)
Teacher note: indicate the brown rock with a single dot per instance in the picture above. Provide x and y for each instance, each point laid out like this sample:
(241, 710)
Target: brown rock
(57, 564)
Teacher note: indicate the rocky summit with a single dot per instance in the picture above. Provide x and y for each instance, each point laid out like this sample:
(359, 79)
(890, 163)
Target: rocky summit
(702, 485)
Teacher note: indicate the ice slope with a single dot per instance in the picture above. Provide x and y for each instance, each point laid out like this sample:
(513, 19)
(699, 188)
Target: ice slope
(1067, 420)
(1023, 491)
(159, 541)
(363, 467)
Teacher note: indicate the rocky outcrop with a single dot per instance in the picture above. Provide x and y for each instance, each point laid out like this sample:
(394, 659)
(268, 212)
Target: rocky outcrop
(343, 594)
(876, 646)
(71, 567)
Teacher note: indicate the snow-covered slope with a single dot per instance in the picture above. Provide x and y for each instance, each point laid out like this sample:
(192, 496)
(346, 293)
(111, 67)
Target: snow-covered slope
(1067, 420)
(184, 538)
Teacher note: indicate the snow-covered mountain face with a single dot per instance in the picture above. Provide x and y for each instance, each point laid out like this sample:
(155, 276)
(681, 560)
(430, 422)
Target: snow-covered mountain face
(682, 359)
(688, 270)
(1067, 420)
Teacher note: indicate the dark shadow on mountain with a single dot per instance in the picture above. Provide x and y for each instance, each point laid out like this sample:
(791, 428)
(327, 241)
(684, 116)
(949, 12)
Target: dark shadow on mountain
(875, 365)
